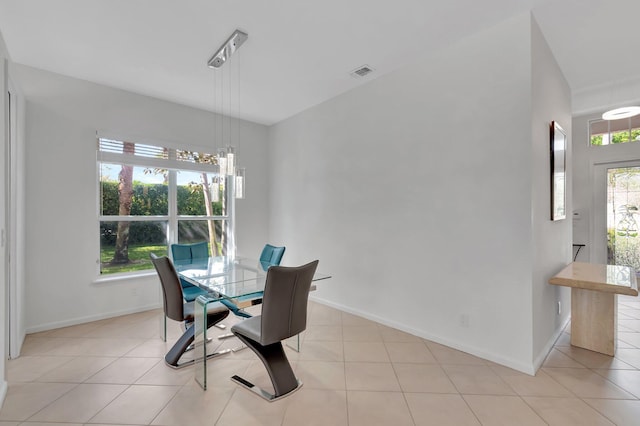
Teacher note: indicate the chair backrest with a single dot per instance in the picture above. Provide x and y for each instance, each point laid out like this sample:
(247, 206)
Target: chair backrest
(271, 256)
(181, 252)
(284, 303)
(200, 250)
(171, 289)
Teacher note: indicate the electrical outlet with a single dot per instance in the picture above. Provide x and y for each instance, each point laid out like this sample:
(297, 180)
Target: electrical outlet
(559, 307)
(134, 291)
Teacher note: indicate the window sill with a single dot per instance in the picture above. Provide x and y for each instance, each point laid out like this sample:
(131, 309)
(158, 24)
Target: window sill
(123, 277)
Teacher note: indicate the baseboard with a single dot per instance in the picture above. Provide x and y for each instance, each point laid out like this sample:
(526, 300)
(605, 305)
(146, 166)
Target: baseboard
(90, 318)
(18, 349)
(489, 356)
(542, 355)
(3, 392)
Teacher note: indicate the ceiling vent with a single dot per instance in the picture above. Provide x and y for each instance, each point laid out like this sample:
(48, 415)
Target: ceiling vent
(362, 71)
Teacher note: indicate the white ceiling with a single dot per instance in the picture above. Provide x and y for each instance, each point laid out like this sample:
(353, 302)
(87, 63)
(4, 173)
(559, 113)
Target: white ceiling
(299, 53)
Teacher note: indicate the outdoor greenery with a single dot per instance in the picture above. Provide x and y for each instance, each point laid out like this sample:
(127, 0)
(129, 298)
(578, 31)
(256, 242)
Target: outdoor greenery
(623, 250)
(145, 236)
(152, 199)
(623, 242)
(138, 254)
(618, 137)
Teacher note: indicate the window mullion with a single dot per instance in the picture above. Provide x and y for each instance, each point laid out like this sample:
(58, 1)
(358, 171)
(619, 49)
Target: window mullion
(172, 236)
(201, 217)
(133, 218)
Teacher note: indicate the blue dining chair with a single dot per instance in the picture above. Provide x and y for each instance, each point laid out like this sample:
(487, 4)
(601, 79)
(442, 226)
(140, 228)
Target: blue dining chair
(188, 253)
(271, 256)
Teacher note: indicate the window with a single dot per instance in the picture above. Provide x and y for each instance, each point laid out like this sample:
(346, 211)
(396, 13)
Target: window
(607, 132)
(152, 196)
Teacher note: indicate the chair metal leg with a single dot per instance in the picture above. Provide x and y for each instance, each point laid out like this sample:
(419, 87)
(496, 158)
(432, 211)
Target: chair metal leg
(275, 361)
(164, 327)
(297, 344)
(193, 345)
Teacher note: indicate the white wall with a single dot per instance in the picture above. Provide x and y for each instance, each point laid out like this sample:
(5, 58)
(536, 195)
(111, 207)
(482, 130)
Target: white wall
(62, 242)
(551, 242)
(415, 191)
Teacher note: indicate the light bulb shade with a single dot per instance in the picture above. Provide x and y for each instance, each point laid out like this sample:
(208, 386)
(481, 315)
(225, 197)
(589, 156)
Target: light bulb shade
(222, 163)
(214, 189)
(624, 112)
(231, 161)
(240, 183)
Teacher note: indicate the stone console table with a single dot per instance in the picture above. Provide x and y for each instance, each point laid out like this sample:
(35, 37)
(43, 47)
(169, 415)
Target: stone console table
(594, 308)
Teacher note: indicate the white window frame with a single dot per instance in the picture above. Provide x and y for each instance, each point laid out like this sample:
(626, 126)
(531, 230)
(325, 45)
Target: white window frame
(625, 124)
(173, 165)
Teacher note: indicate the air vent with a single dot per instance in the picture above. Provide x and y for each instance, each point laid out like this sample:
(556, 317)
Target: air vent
(362, 71)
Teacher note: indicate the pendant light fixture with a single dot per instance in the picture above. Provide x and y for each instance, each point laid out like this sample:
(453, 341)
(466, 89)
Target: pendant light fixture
(214, 188)
(240, 182)
(223, 134)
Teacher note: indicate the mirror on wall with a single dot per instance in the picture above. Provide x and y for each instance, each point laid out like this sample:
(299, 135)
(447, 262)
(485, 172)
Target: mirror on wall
(558, 172)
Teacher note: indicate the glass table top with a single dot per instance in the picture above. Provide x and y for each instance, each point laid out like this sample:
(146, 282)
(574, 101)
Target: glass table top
(226, 277)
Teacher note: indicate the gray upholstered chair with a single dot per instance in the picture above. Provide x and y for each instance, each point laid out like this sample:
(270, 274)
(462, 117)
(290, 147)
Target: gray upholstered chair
(284, 314)
(178, 310)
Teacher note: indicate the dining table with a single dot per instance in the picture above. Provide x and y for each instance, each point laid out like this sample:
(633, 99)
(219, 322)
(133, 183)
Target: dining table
(238, 280)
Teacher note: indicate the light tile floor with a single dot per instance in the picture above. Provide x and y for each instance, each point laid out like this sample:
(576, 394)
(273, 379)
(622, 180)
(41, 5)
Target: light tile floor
(355, 372)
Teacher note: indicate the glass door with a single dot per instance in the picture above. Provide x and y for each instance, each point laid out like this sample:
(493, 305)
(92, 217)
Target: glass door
(617, 210)
(623, 206)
